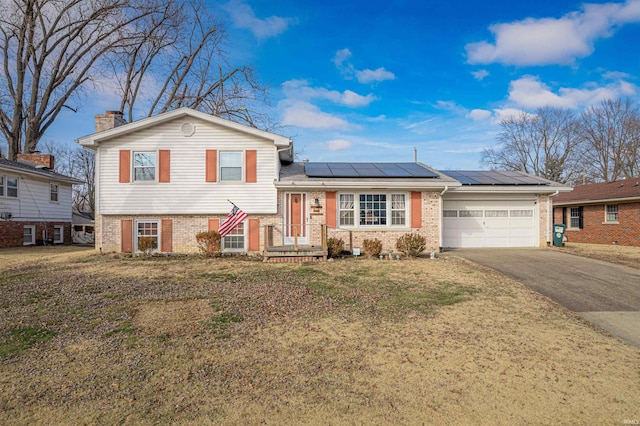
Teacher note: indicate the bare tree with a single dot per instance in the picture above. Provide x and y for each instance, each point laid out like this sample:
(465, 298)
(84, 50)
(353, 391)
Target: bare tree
(182, 59)
(49, 50)
(163, 53)
(611, 136)
(544, 144)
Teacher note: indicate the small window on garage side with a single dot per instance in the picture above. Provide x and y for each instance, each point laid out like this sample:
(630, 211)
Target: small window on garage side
(611, 215)
(496, 213)
(58, 234)
(450, 213)
(521, 213)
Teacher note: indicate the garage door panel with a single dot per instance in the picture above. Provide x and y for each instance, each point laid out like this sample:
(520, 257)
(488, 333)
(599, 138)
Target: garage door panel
(493, 224)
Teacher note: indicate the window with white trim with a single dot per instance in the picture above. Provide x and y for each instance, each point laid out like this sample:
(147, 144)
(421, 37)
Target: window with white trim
(147, 229)
(470, 213)
(1, 186)
(611, 213)
(12, 187)
(231, 166)
(53, 193)
(144, 166)
(575, 217)
(521, 213)
(372, 210)
(496, 213)
(58, 234)
(450, 213)
(234, 240)
(29, 235)
(346, 213)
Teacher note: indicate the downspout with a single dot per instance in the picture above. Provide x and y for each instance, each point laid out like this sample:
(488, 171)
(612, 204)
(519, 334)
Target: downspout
(549, 217)
(441, 217)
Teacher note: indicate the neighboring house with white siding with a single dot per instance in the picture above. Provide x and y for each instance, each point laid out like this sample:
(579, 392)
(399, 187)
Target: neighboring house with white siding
(35, 202)
(173, 175)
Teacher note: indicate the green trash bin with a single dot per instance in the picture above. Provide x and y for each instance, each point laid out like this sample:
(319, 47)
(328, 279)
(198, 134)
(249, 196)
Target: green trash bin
(558, 234)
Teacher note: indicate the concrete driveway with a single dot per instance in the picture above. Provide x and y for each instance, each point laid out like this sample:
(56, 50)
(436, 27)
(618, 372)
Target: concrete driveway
(603, 293)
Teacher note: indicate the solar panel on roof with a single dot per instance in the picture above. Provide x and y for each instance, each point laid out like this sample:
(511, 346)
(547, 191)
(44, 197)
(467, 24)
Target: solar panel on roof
(479, 177)
(368, 170)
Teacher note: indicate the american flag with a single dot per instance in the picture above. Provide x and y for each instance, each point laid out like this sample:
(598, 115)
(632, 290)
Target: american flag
(235, 218)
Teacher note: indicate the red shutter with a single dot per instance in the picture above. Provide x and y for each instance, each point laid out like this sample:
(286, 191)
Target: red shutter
(331, 209)
(166, 236)
(164, 164)
(212, 165)
(125, 166)
(251, 163)
(254, 234)
(126, 236)
(214, 224)
(416, 210)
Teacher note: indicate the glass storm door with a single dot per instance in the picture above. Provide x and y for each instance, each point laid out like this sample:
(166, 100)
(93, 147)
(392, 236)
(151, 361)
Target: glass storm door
(296, 218)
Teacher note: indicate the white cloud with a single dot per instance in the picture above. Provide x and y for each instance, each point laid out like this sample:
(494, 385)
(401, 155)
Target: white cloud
(480, 74)
(379, 74)
(300, 89)
(479, 114)
(244, 17)
(340, 59)
(530, 92)
(500, 114)
(378, 119)
(303, 114)
(553, 41)
(338, 144)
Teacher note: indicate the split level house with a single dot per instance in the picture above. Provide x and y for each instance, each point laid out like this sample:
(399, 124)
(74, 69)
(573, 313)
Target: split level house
(601, 213)
(173, 175)
(35, 202)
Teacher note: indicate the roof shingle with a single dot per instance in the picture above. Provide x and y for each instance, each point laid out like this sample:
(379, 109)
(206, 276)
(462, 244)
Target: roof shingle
(619, 189)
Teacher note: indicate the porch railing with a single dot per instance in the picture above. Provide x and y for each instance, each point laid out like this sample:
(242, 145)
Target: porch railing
(275, 235)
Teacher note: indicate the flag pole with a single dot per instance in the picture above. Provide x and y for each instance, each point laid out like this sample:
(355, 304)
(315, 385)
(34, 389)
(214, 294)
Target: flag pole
(232, 203)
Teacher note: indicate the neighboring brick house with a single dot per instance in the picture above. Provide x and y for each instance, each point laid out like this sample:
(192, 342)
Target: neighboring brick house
(35, 202)
(171, 176)
(601, 213)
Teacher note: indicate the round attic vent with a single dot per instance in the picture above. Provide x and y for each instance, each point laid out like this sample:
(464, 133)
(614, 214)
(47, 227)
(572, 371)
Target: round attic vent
(188, 129)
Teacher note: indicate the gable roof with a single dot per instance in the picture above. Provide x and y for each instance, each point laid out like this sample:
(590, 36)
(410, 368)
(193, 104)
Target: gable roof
(619, 190)
(94, 139)
(34, 170)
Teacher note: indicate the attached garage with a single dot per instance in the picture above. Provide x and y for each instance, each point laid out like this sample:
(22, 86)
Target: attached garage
(490, 223)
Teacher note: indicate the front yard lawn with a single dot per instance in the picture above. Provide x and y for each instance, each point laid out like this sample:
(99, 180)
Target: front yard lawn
(90, 339)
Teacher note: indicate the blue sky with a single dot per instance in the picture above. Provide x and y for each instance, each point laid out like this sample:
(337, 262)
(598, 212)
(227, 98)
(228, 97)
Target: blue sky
(372, 80)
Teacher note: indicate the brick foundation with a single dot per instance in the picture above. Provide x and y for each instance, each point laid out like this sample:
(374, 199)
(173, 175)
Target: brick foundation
(11, 232)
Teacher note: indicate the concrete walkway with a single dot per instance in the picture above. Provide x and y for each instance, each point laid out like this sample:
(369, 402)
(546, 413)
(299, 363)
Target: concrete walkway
(603, 293)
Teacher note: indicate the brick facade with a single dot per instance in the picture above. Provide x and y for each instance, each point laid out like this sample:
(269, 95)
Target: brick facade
(595, 231)
(11, 232)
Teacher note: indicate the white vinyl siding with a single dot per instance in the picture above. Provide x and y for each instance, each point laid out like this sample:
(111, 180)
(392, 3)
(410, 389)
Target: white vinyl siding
(33, 201)
(188, 192)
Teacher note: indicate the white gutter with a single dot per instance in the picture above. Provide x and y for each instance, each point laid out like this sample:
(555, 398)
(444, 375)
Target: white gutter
(441, 217)
(550, 217)
(411, 185)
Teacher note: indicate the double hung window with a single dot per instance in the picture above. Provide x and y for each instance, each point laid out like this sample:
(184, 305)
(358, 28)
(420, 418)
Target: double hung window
(147, 234)
(53, 194)
(611, 213)
(12, 187)
(234, 240)
(144, 166)
(231, 166)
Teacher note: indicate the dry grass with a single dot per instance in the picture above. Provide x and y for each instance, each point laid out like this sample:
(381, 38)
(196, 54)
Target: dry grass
(622, 255)
(209, 341)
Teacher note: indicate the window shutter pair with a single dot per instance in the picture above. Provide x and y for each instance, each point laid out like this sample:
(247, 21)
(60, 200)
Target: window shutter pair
(251, 165)
(163, 165)
(254, 232)
(126, 236)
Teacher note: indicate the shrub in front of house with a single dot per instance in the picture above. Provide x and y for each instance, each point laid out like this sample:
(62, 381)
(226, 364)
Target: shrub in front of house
(147, 245)
(411, 244)
(335, 246)
(208, 243)
(372, 248)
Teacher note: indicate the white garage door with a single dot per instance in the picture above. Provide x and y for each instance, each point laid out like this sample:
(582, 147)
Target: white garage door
(489, 223)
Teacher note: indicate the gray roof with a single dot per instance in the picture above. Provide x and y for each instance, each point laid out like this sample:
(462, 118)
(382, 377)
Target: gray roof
(32, 169)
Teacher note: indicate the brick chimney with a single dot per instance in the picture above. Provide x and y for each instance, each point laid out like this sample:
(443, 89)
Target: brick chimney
(109, 120)
(46, 160)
